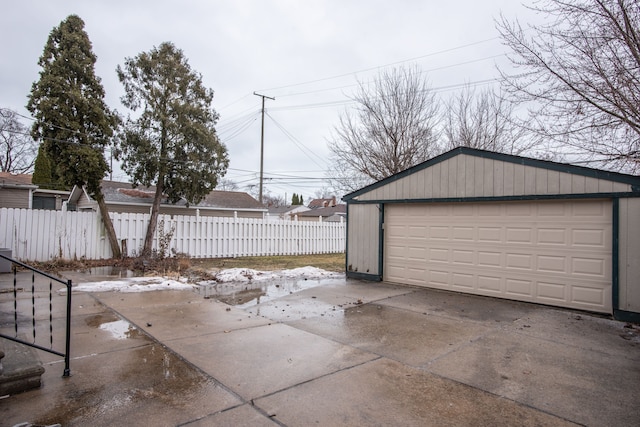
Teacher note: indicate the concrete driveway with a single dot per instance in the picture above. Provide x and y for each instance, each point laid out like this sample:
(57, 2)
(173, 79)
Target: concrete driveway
(342, 353)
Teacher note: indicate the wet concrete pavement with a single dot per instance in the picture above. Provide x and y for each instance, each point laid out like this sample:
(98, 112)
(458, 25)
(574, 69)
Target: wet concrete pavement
(341, 353)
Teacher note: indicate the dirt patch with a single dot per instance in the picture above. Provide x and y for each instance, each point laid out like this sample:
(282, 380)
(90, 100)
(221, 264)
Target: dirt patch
(329, 262)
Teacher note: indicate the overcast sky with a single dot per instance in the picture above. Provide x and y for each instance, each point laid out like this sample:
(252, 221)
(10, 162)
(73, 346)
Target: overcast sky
(308, 54)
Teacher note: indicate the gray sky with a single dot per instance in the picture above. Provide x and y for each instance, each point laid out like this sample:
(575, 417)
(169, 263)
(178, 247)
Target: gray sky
(309, 55)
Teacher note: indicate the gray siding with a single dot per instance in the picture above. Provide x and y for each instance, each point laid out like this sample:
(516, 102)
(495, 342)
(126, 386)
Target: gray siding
(470, 176)
(85, 203)
(629, 255)
(14, 198)
(363, 239)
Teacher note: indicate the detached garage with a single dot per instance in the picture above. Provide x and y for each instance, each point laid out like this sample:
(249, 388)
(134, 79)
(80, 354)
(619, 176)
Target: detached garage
(503, 226)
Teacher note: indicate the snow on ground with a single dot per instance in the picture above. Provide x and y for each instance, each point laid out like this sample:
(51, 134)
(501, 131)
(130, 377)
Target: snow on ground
(133, 284)
(244, 275)
(232, 275)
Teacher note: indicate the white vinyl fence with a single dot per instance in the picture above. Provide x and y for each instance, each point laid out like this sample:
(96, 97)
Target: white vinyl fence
(42, 235)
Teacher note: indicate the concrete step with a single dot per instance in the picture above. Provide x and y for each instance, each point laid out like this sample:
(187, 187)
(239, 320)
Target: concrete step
(20, 368)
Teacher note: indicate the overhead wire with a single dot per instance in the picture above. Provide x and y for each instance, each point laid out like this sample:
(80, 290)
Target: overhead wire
(444, 67)
(306, 150)
(382, 66)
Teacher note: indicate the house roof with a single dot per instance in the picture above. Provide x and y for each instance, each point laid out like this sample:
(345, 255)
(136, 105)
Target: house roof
(509, 158)
(21, 180)
(230, 200)
(277, 210)
(325, 212)
(321, 203)
(124, 193)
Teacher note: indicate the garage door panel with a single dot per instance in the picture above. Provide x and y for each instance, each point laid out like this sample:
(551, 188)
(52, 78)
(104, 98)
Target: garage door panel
(594, 297)
(552, 293)
(463, 233)
(519, 261)
(594, 267)
(439, 232)
(530, 251)
(489, 284)
(519, 288)
(552, 264)
(438, 255)
(460, 256)
(461, 280)
(552, 236)
(489, 259)
(490, 234)
(589, 238)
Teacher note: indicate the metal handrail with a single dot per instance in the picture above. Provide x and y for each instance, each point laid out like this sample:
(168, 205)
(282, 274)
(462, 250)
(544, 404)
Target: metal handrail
(67, 283)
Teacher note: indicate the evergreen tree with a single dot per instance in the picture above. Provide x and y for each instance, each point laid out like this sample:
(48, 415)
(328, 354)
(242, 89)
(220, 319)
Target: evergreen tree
(301, 201)
(173, 143)
(294, 200)
(42, 175)
(71, 119)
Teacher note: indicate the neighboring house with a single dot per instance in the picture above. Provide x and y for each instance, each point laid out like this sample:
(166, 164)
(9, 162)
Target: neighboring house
(504, 226)
(286, 212)
(323, 203)
(122, 197)
(329, 214)
(17, 191)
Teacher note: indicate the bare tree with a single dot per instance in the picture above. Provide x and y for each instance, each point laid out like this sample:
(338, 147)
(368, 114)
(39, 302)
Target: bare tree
(343, 179)
(580, 71)
(226, 184)
(17, 149)
(273, 201)
(268, 199)
(484, 120)
(391, 129)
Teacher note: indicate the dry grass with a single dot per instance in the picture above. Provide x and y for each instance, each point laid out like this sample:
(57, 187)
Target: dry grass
(329, 262)
(199, 266)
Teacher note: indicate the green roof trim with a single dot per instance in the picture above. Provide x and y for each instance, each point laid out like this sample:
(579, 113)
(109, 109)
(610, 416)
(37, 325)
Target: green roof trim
(632, 180)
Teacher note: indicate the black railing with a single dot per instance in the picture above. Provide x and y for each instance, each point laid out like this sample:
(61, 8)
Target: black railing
(32, 312)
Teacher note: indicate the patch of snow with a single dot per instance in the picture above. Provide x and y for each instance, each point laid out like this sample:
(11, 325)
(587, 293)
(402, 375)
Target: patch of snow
(232, 275)
(133, 284)
(243, 275)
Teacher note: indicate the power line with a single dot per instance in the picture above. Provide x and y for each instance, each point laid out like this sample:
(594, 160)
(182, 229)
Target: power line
(296, 142)
(383, 66)
(444, 67)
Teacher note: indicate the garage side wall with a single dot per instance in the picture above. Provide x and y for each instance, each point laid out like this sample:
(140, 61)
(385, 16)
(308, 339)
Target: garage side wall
(363, 240)
(629, 255)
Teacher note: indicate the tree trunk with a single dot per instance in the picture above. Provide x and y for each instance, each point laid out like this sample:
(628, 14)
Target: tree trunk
(153, 221)
(108, 225)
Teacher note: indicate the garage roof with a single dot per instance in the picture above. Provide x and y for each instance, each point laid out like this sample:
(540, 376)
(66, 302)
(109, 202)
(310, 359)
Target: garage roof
(467, 173)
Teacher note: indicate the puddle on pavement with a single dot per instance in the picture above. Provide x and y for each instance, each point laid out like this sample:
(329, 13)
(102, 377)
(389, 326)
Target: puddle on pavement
(246, 295)
(133, 385)
(119, 272)
(119, 329)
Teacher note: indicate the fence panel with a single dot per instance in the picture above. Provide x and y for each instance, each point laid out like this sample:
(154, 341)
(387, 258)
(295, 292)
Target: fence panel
(42, 235)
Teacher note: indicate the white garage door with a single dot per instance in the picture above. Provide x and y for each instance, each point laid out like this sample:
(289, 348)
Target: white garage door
(550, 252)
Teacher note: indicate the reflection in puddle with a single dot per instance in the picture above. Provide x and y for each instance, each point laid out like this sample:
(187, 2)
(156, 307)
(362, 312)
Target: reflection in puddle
(246, 295)
(120, 329)
(130, 387)
(119, 272)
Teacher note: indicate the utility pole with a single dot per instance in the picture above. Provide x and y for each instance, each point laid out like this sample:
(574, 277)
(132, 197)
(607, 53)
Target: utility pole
(262, 143)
